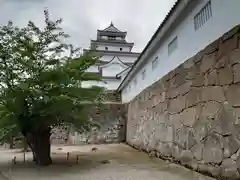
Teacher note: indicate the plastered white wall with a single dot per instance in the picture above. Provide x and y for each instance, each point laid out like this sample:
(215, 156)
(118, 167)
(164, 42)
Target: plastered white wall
(225, 15)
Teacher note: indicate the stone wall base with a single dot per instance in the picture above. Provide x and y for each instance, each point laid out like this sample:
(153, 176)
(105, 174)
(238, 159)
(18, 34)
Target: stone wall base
(191, 116)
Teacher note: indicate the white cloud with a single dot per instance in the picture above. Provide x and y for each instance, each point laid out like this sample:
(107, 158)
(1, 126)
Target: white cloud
(81, 18)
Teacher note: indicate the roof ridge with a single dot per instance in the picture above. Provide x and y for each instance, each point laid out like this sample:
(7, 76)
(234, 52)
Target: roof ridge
(114, 29)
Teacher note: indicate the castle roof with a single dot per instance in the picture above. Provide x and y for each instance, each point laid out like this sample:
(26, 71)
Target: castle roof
(111, 28)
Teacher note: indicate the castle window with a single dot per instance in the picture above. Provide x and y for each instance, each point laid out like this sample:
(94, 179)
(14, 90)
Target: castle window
(135, 82)
(143, 74)
(106, 48)
(120, 49)
(129, 87)
(203, 16)
(103, 37)
(111, 37)
(155, 63)
(172, 46)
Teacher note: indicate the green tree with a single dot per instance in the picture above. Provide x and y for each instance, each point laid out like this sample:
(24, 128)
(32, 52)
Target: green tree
(40, 84)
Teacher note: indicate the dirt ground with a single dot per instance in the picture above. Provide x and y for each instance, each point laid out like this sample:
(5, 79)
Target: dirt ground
(108, 162)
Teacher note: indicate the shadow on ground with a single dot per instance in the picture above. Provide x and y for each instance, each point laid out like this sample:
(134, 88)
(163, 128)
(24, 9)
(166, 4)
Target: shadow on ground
(78, 161)
(117, 161)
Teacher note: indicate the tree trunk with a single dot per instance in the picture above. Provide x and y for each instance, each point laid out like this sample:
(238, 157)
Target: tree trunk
(40, 145)
(11, 143)
(31, 147)
(25, 145)
(29, 140)
(42, 148)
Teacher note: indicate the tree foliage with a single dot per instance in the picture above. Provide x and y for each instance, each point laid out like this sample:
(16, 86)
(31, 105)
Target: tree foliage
(40, 80)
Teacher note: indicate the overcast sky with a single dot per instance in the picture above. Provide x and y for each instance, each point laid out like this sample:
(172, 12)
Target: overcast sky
(81, 18)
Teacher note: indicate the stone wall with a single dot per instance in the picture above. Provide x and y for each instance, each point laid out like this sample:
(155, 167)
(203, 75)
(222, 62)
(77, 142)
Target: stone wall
(192, 115)
(111, 119)
(112, 96)
(60, 134)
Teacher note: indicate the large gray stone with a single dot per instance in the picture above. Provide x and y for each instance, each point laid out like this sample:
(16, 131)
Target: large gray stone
(173, 93)
(236, 69)
(211, 78)
(193, 97)
(214, 170)
(188, 64)
(164, 133)
(228, 44)
(225, 76)
(226, 152)
(185, 88)
(237, 116)
(229, 168)
(164, 149)
(236, 133)
(197, 151)
(212, 152)
(177, 105)
(181, 90)
(175, 120)
(191, 139)
(162, 118)
(213, 93)
(234, 57)
(192, 73)
(153, 141)
(190, 115)
(236, 155)
(155, 101)
(234, 144)
(230, 146)
(222, 62)
(176, 152)
(224, 122)
(184, 137)
(198, 57)
(179, 78)
(136, 141)
(162, 97)
(160, 107)
(194, 165)
(238, 163)
(201, 128)
(186, 157)
(210, 109)
(232, 93)
(198, 81)
(207, 63)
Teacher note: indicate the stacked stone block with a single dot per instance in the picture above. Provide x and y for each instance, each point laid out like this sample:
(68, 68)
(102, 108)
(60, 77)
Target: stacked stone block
(192, 115)
(110, 117)
(111, 121)
(60, 134)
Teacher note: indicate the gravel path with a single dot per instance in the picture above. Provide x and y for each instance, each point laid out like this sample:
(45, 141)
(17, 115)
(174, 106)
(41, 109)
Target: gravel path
(108, 162)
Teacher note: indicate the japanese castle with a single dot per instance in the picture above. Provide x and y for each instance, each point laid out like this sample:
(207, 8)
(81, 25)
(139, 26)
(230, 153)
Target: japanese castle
(116, 57)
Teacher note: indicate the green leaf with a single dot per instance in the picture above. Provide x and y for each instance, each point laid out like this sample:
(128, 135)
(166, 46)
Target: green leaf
(39, 86)
(52, 62)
